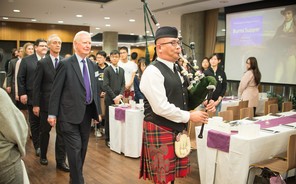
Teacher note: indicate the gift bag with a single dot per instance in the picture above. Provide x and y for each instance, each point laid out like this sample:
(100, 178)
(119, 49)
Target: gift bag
(267, 176)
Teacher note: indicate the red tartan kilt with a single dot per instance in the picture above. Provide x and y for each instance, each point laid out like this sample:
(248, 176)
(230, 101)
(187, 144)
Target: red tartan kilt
(158, 160)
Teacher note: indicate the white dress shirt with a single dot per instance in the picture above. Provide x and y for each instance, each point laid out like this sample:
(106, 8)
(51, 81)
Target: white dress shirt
(152, 86)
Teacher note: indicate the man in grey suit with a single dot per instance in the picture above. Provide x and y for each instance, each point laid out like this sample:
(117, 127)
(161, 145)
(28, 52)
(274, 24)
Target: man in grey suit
(73, 101)
(25, 79)
(44, 76)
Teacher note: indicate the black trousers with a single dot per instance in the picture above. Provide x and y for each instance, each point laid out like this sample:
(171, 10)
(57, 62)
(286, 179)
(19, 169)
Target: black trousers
(76, 140)
(45, 128)
(107, 123)
(35, 127)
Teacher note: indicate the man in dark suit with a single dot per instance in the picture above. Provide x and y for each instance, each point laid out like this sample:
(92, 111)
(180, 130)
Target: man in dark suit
(44, 76)
(25, 79)
(114, 85)
(73, 101)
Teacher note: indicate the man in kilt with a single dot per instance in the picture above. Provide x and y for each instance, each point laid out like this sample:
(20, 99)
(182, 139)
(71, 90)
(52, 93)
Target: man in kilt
(166, 111)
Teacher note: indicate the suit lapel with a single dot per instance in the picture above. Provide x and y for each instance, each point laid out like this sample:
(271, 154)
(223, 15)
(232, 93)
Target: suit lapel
(76, 67)
(50, 64)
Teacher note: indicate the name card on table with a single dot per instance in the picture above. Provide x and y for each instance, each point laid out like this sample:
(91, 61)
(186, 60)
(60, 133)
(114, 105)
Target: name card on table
(216, 123)
(250, 130)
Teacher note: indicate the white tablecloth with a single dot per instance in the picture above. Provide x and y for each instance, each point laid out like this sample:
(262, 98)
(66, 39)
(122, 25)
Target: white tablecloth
(126, 136)
(234, 102)
(232, 167)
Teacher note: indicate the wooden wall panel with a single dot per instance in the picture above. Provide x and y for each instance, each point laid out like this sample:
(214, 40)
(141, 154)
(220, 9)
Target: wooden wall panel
(31, 31)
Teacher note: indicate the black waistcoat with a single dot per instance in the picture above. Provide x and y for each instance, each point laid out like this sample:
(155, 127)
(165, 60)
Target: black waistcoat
(176, 93)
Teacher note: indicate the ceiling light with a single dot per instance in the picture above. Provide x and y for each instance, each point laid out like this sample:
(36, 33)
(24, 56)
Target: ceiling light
(79, 16)
(97, 28)
(33, 20)
(60, 21)
(91, 33)
(16, 11)
(147, 31)
(132, 20)
(106, 18)
(107, 25)
(5, 18)
(132, 33)
(223, 30)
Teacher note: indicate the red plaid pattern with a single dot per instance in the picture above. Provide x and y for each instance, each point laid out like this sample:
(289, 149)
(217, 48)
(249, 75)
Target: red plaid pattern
(128, 93)
(158, 160)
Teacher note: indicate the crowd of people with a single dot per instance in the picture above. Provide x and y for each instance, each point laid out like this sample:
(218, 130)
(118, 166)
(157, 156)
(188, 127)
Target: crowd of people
(74, 92)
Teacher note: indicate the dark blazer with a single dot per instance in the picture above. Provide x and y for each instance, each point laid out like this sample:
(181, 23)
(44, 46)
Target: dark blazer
(67, 99)
(113, 84)
(10, 74)
(25, 77)
(43, 80)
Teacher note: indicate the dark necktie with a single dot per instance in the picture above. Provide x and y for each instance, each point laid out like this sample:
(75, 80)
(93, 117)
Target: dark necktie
(56, 62)
(116, 70)
(86, 83)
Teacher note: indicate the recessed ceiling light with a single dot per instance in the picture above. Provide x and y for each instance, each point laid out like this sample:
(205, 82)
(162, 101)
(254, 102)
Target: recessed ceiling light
(16, 11)
(5, 18)
(60, 21)
(107, 25)
(33, 20)
(106, 18)
(98, 28)
(132, 33)
(79, 16)
(132, 20)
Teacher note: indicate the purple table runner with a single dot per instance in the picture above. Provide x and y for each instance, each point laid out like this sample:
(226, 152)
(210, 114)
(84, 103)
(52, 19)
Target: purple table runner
(219, 140)
(275, 122)
(120, 114)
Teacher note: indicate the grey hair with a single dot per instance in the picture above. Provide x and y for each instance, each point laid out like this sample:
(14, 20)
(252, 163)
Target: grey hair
(51, 37)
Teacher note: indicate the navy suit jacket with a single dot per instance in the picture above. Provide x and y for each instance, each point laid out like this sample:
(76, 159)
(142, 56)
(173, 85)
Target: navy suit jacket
(67, 99)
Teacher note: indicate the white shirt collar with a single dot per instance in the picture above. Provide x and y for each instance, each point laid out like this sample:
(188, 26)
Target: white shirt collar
(167, 63)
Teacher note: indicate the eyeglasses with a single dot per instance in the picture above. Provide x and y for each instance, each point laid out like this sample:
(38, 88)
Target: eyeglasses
(42, 45)
(173, 43)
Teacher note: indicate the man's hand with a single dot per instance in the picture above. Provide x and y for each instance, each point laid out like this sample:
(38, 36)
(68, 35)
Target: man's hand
(17, 98)
(199, 116)
(8, 90)
(52, 121)
(24, 99)
(211, 105)
(98, 120)
(117, 99)
(36, 110)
